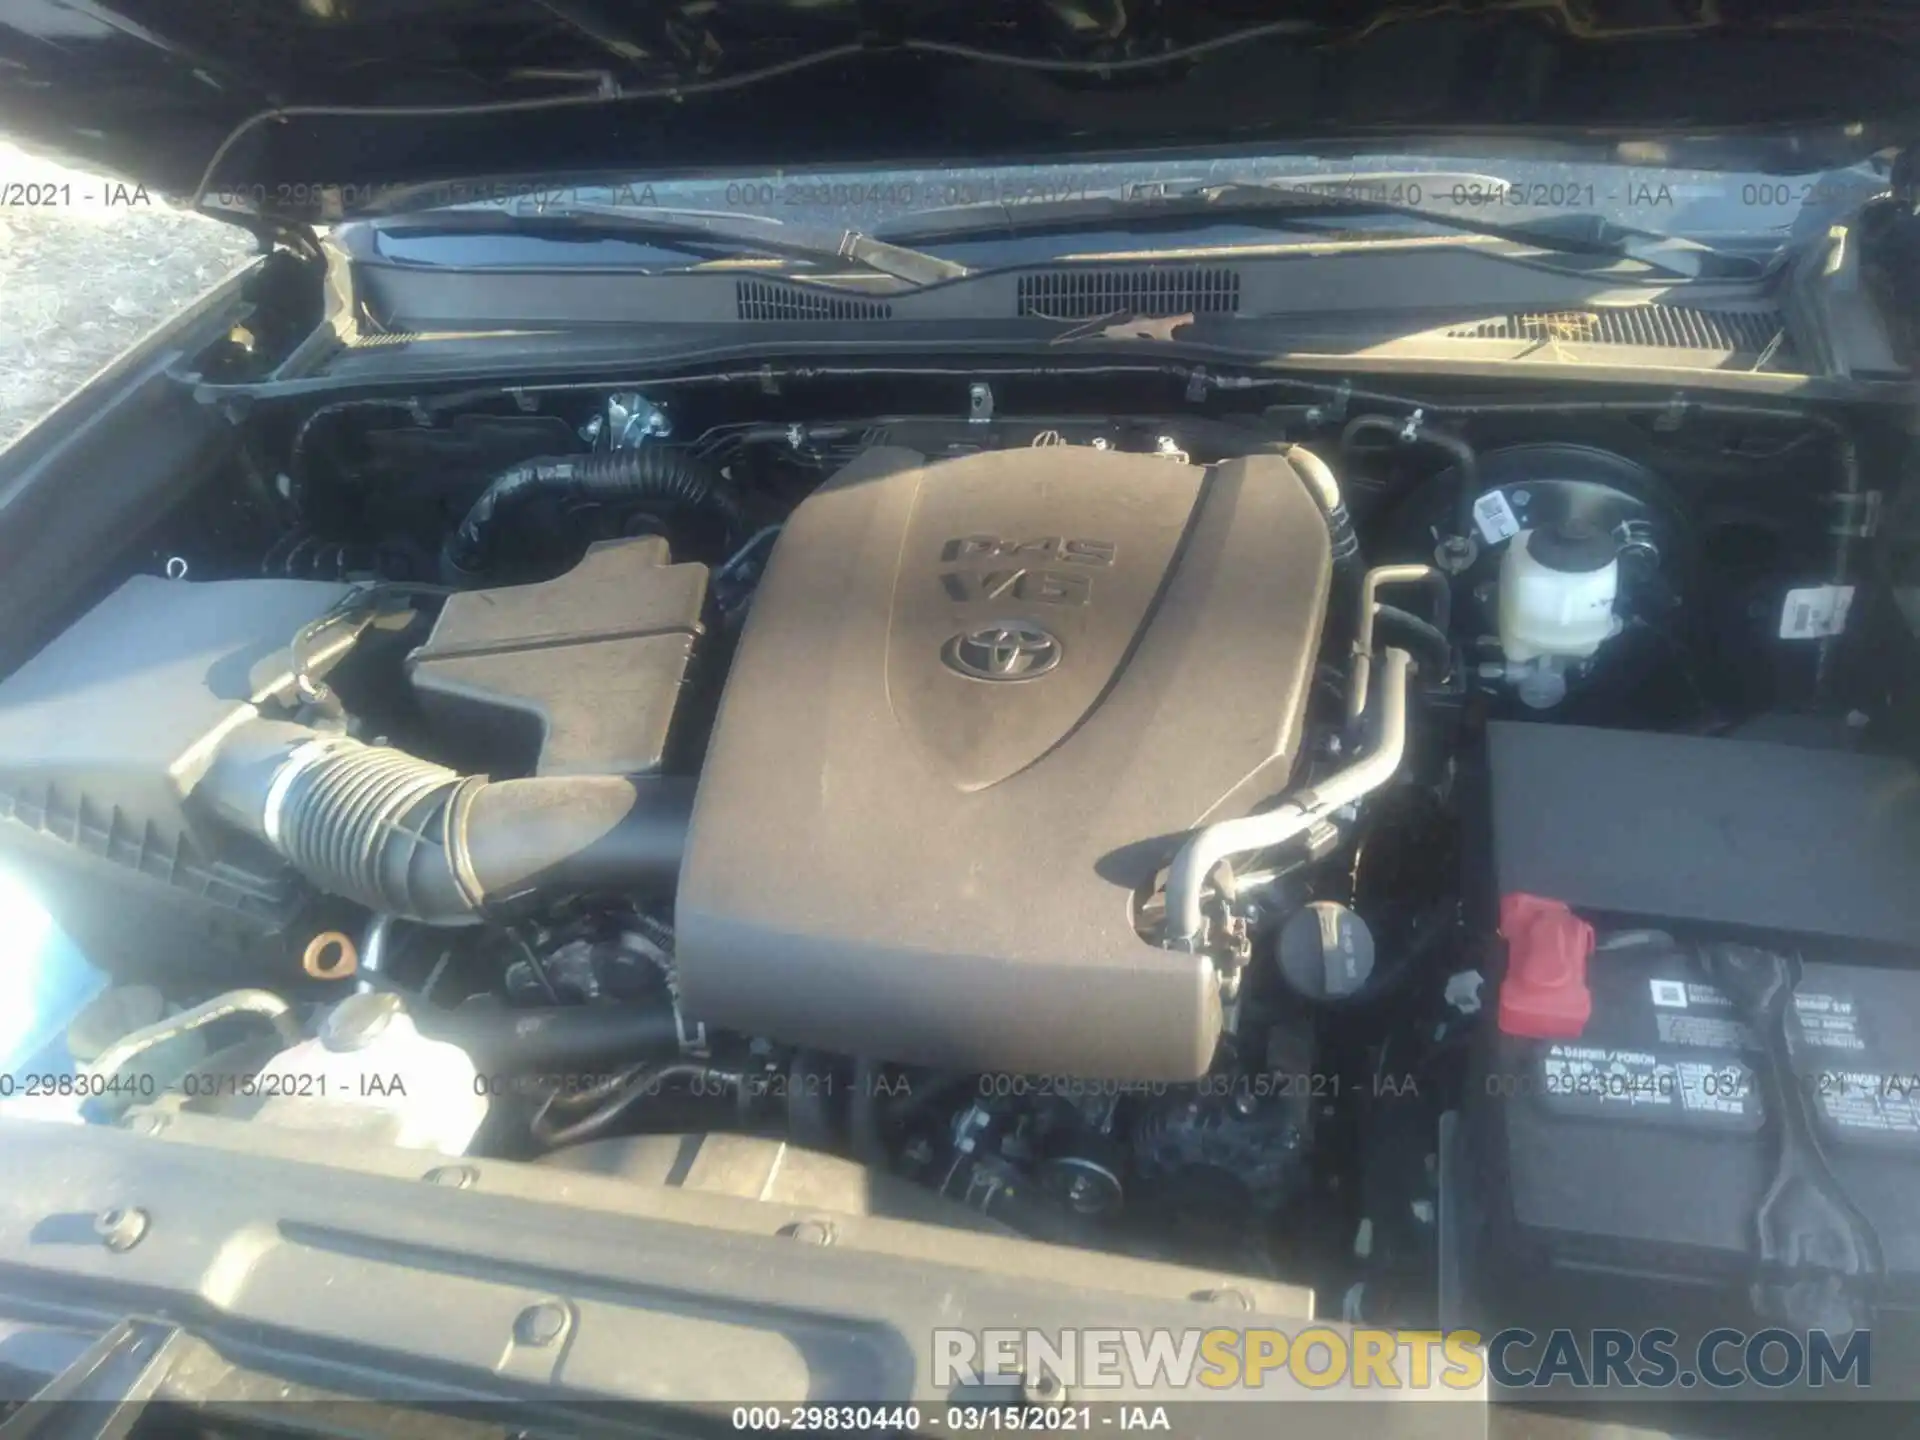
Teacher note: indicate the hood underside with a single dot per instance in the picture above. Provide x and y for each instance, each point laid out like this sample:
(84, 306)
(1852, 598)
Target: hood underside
(317, 108)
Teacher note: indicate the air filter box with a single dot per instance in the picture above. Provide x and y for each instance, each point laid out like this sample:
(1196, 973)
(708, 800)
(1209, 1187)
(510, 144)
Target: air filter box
(103, 736)
(573, 676)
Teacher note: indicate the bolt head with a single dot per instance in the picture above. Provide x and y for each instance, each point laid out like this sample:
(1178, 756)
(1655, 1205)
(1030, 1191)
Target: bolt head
(1043, 1387)
(809, 1232)
(1226, 1295)
(121, 1227)
(1456, 554)
(540, 1324)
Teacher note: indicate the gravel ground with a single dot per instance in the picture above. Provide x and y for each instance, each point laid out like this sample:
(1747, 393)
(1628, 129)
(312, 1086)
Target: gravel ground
(81, 281)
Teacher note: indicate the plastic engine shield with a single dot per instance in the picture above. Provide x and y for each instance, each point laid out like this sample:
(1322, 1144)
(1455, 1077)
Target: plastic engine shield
(975, 706)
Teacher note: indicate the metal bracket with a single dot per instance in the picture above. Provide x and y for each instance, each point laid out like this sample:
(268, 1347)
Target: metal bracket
(1856, 514)
(1637, 536)
(1321, 838)
(1197, 384)
(1674, 415)
(692, 1036)
(1236, 944)
(1334, 412)
(979, 403)
(633, 419)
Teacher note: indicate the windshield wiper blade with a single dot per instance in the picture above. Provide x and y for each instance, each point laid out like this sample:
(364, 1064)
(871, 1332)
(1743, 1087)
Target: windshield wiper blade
(1565, 232)
(761, 235)
(1298, 202)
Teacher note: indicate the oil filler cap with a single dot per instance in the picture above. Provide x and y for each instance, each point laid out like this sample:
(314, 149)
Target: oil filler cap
(1544, 995)
(1326, 953)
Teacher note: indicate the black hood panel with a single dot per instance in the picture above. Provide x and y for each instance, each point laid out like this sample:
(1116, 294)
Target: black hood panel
(326, 106)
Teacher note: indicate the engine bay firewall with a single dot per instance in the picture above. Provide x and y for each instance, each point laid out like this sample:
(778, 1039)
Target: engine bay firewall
(975, 706)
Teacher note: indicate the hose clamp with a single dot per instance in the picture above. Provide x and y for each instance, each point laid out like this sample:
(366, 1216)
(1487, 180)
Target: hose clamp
(454, 840)
(692, 1034)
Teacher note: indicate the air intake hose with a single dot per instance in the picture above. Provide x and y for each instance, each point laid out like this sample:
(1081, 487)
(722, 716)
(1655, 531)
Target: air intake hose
(1318, 478)
(409, 838)
(649, 472)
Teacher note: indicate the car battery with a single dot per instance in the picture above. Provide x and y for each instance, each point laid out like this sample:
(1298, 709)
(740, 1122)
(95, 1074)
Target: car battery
(1628, 1117)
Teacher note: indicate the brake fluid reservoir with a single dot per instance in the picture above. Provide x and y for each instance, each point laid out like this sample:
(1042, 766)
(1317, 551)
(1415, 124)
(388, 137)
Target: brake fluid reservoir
(369, 1071)
(1556, 591)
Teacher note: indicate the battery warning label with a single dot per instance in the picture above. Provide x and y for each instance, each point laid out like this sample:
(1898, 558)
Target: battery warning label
(1690, 1014)
(1828, 1021)
(1869, 1107)
(1696, 1017)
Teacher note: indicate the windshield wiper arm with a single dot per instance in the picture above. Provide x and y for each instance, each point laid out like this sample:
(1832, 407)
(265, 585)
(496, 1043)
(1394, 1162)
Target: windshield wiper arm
(760, 235)
(1571, 233)
(1309, 198)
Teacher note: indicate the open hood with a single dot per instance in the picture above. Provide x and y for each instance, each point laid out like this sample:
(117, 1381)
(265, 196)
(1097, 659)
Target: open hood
(319, 108)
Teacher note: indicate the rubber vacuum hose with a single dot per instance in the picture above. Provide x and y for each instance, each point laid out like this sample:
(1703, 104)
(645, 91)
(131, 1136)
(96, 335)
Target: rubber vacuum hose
(643, 473)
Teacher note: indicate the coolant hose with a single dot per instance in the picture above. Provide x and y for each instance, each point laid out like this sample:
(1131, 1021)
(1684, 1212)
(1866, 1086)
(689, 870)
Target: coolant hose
(647, 472)
(1225, 438)
(415, 840)
(560, 1039)
(1318, 476)
(1466, 460)
(635, 1087)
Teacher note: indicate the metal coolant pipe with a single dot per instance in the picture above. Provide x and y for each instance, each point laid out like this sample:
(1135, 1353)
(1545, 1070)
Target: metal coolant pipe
(1297, 814)
(1371, 585)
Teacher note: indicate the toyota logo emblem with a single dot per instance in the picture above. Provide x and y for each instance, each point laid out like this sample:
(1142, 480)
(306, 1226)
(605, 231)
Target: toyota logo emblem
(1011, 650)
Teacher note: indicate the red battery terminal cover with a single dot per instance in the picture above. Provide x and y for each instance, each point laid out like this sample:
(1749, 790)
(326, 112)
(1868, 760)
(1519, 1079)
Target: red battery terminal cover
(1544, 996)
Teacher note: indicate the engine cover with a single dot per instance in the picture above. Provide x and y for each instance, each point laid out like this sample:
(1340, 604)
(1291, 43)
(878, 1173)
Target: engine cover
(975, 706)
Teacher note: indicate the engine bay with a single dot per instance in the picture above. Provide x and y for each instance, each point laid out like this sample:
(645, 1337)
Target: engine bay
(1330, 840)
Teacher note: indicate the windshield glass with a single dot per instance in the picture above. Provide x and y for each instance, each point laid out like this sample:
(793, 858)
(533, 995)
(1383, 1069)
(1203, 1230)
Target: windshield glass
(1752, 212)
